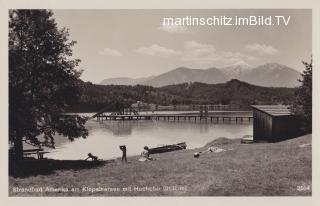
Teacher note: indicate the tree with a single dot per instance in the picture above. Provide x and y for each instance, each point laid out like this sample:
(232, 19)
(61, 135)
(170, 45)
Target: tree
(303, 97)
(43, 81)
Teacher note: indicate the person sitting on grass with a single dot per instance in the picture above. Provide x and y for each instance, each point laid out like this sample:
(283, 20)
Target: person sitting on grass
(92, 157)
(145, 156)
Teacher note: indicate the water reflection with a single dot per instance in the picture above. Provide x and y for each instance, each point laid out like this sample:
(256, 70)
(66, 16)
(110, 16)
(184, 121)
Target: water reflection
(120, 128)
(105, 137)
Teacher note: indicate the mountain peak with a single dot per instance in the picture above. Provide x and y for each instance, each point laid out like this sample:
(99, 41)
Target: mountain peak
(273, 65)
(273, 75)
(236, 70)
(241, 64)
(235, 82)
(180, 69)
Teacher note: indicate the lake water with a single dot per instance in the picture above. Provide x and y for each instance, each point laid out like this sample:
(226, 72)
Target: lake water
(105, 137)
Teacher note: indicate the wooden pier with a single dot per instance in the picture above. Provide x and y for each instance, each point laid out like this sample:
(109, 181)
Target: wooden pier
(176, 117)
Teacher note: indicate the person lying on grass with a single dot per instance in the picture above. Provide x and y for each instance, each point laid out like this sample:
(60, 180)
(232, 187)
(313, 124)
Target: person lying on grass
(145, 156)
(209, 150)
(92, 157)
(215, 149)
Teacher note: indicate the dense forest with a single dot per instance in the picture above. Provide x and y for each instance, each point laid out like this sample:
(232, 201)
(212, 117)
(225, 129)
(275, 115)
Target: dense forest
(112, 97)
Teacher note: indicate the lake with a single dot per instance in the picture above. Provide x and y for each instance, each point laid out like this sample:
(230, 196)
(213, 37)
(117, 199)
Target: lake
(105, 137)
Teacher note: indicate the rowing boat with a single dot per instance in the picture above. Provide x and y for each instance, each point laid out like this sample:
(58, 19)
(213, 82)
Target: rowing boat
(168, 148)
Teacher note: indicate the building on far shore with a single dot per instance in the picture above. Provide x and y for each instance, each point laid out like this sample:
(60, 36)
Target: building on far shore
(143, 106)
(272, 123)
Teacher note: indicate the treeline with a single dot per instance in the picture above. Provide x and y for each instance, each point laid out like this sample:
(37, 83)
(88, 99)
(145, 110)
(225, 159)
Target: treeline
(112, 97)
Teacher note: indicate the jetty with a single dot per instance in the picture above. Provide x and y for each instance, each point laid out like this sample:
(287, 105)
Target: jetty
(202, 115)
(175, 117)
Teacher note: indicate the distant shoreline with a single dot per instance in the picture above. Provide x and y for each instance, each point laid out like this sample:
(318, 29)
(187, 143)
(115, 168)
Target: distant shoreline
(165, 112)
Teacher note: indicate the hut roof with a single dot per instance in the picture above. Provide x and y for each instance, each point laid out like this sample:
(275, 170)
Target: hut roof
(274, 110)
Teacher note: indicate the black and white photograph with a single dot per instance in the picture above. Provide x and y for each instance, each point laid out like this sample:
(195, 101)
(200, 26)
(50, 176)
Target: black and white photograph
(160, 102)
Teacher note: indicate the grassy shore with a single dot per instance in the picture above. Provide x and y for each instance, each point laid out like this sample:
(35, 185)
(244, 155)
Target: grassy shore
(260, 169)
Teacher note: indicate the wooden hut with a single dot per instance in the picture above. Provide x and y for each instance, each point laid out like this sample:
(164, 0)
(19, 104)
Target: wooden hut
(272, 123)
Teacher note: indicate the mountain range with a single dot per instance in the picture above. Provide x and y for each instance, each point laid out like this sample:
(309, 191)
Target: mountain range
(268, 75)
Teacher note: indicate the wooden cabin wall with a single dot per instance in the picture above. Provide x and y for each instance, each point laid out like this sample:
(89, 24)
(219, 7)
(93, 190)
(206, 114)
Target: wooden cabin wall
(285, 127)
(262, 126)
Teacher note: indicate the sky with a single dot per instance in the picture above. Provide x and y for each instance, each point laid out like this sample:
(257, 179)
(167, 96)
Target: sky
(135, 43)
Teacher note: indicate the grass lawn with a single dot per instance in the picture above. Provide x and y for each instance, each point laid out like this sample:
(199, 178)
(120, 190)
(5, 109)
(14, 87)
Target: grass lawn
(260, 169)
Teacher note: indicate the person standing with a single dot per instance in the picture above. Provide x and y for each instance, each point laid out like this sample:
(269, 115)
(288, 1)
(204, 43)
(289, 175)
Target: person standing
(123, 148)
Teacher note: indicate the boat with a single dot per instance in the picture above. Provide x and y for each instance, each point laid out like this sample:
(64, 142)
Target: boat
(168, 148)
(247, 139)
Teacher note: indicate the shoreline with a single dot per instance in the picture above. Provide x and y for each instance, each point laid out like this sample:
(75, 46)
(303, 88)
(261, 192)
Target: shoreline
(268, 169)
(215, 141)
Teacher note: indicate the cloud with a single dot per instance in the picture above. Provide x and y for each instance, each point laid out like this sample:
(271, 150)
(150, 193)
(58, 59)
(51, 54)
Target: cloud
(197, 53)
(156, 50)
(173, 28)
(261, 49)
(208, 55)
(110, 52)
